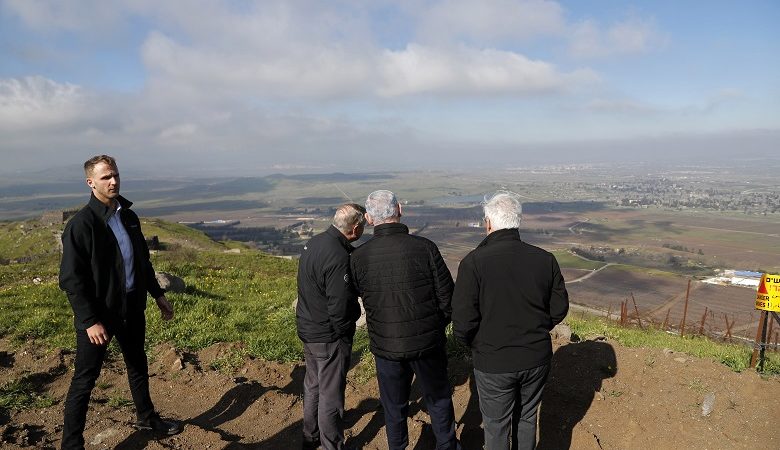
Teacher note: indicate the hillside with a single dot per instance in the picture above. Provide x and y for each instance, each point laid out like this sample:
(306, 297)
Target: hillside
(229, 366)
(601, 395)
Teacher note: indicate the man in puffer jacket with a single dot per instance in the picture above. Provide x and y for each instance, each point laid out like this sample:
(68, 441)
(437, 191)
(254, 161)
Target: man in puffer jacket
(406, 290)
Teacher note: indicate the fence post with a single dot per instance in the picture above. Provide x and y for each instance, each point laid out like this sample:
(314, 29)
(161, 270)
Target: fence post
(685, 310)
(703, 319)
(638, 319)
(760, 337)
(729, 326)
(623, 314)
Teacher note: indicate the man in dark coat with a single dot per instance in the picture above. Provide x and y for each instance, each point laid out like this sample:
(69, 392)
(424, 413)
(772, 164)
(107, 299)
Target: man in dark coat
(406, 290)
(508, 297)
(106, 273)
(325, 316)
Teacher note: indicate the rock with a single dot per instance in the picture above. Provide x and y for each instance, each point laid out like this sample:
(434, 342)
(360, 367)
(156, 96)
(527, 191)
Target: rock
(37, 280)
(177, 364)
(361, 322)
(104, 435)
(170, 282)
(680, 359)
(561, 332)
(708, 404)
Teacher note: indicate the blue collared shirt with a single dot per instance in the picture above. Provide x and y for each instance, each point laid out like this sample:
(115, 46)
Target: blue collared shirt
(125, 246)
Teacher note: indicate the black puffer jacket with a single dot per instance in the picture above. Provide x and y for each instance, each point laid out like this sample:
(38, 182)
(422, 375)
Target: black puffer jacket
(327, 305)
(406, 290)
(92, 269)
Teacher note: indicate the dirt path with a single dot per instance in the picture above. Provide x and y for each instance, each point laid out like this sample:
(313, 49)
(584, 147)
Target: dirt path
(600, 396)
(590, 274)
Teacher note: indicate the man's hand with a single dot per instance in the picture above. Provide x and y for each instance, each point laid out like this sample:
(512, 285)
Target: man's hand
(98, 335)
(166, 309)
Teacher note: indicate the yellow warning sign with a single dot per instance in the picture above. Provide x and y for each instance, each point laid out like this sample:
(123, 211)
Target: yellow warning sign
(768, 293)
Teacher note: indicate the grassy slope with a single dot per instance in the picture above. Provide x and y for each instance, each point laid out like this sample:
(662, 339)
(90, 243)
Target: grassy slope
(231, 297)
(30, 237)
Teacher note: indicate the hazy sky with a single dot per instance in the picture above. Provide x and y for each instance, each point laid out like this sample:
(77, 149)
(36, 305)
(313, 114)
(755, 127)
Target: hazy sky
(258, 87)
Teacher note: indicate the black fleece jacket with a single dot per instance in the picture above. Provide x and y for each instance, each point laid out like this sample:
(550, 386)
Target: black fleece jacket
(327, 304)
(508, 296)
(92, 270)
(406, 290)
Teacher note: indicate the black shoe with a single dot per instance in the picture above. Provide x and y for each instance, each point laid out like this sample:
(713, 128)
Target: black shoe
(310, 445)
(158, 425)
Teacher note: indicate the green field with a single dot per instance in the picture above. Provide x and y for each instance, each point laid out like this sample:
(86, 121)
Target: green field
(569, 261)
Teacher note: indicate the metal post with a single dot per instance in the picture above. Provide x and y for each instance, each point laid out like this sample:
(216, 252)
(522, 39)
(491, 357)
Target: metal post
(758, 348)
(685, 310)
(703, 319)
(638, 319)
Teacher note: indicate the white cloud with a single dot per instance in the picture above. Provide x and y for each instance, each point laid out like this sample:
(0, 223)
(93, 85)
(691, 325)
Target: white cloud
(75, 15)
(37, 102)
(621, 106)
(418, 69)
(312, 70)
(632, 36)
(179, 133)
(302, 80)
(490, 20)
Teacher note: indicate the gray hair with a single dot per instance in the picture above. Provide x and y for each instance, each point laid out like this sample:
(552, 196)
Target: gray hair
(381, 206)
(347, 216)
(503, 209)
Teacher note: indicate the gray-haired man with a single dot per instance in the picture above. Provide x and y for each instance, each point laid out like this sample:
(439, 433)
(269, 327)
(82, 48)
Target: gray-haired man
(326, 314)
(508, 296)
(406, 290)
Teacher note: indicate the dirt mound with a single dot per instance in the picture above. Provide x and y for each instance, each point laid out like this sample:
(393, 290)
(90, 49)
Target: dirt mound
(600, 396)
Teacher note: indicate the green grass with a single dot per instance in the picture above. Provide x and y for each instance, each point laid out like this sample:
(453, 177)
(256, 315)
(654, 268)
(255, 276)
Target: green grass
(118, 402)
(229, 362)
(568, 261)
(735, 356)
(169, 232)
(246, 297)
(28, 238)
(230, 297)
(20, 394)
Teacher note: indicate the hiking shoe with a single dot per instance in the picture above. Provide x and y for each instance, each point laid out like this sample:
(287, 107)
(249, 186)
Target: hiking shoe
(310, 445)
(158, 425)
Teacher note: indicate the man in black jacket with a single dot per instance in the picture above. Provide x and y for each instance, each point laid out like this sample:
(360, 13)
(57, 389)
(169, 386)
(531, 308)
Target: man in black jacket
(106, 273)
(508, 297)
(325, 315)
(406, 290)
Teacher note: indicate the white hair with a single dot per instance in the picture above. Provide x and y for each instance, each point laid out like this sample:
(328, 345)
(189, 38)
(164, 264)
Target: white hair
(503, 209)
(382, 206)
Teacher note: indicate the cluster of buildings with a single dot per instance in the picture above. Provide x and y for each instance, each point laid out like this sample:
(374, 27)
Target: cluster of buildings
(730, 277)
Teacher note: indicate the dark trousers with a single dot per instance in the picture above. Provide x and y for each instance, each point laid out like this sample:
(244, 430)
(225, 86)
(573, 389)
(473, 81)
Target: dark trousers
(89, 361)
(395, 381)
(327, 364)
(509, 401)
